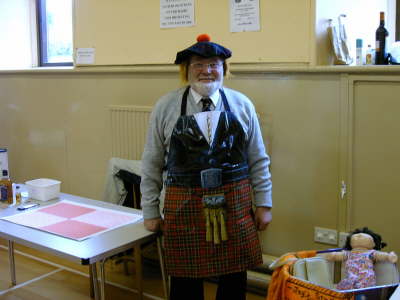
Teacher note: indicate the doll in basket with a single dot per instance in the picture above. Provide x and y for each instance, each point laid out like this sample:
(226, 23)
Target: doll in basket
(359, 254)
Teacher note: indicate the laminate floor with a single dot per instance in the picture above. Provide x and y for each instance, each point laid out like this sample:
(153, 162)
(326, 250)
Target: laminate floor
(44, 277)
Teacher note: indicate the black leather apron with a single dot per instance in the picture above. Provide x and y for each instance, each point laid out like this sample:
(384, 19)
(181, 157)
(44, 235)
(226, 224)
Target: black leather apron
(188, 250)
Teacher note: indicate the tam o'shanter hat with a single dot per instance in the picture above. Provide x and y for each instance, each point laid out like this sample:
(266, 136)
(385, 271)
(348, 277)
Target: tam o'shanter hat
(203, 48)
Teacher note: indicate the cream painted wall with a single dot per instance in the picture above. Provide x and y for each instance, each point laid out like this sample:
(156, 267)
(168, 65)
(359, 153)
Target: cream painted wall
(56, 125)
(300, 117)
(375, 164)
(128, 32)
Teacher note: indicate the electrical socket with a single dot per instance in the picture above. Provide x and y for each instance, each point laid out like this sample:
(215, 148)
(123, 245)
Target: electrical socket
(342, 238)
(325, 236)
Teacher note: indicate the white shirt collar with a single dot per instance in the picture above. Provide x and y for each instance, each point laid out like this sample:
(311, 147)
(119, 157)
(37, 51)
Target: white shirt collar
(197, 97)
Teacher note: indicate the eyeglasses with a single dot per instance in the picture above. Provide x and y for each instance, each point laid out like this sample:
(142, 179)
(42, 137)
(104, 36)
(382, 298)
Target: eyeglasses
(212, 66)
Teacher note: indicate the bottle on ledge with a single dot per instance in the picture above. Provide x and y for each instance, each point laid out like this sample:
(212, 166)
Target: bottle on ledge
(380, 39)
(369, 57)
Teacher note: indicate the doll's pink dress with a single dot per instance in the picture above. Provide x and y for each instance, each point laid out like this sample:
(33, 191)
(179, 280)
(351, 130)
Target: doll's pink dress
(359, 270)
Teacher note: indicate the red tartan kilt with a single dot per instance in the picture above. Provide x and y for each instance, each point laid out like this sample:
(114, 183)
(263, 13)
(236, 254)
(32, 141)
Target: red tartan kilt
(188, 254)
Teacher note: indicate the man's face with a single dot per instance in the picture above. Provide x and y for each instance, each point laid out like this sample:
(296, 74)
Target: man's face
(205, 75)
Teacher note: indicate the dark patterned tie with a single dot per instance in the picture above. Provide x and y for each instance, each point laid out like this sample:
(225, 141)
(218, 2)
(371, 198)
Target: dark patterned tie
(206, 104)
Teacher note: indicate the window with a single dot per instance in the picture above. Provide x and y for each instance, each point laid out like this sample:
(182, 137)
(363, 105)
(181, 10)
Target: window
(35, 33)
(55, 32)
(16, 50)
(397, 20)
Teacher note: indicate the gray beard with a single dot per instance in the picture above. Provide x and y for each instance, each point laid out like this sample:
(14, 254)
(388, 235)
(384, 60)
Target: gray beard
(206, 89)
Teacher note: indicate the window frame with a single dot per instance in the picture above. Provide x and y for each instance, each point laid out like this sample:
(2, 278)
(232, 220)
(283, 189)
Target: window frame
(397, 35)
(42, 37)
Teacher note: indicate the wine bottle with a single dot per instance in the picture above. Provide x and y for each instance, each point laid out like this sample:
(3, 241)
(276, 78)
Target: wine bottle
(380, 40)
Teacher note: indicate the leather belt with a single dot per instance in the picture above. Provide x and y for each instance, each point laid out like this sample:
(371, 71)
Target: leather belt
(193, 178)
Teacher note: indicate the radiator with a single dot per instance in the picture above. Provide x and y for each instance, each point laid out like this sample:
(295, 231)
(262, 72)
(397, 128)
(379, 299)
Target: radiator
(128, 130)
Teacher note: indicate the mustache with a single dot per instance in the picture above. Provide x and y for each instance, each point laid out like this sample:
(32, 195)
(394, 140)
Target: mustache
(206, 88)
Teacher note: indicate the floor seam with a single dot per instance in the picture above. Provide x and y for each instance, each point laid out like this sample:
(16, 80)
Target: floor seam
(62, 267)
(29, 281)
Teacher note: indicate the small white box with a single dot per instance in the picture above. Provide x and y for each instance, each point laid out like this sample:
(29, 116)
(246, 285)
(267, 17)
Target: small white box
(43, 189)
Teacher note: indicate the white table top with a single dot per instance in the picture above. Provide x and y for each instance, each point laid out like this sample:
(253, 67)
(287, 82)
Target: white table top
(84, 252)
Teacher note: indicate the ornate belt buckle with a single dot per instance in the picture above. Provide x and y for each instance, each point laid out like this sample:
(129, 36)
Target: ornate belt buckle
(211, 178)
(214, 201)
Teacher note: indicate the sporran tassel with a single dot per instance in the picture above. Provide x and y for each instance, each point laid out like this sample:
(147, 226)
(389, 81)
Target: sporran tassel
(217, 239)
(224, 234)
(214, 213)
(208, 225)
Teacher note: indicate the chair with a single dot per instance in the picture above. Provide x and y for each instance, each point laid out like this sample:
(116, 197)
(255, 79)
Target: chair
(123, 187)
(131, 182)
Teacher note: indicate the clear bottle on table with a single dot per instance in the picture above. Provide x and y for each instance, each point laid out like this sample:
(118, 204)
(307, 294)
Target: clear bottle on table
(18, 194)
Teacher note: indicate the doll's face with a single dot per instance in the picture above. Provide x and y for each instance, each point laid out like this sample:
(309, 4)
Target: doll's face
(362, 240)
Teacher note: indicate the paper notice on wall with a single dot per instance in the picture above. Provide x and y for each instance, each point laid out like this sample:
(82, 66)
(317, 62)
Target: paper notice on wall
(176, 13)
(245, 15)
(85, 56)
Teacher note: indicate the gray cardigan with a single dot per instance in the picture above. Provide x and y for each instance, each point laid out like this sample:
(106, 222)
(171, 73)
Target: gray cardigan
(162, 121)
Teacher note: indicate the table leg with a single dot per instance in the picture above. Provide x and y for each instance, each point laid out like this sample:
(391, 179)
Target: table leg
(102, 280)
(94, 280)
(12, 262)
(139, 272)
(162, 265)
(91, 282)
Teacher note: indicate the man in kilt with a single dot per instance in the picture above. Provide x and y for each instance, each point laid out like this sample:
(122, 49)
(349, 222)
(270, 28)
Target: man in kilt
(205, 159)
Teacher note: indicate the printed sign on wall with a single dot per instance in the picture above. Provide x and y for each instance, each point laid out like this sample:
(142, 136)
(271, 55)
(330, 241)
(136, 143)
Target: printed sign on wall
(176, 13)
(245, 15)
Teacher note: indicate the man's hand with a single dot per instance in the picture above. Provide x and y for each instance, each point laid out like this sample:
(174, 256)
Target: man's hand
(153, 224)
(263, 216)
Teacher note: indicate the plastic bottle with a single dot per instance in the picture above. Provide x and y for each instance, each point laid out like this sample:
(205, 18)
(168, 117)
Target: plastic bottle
(18, 194)
(359, 55)
(369, 56)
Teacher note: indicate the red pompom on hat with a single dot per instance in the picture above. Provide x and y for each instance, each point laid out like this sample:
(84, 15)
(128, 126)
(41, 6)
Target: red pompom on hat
(203, 37)
(203, 48)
